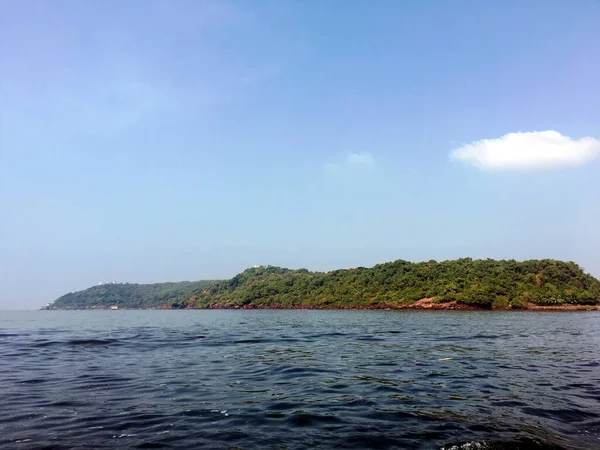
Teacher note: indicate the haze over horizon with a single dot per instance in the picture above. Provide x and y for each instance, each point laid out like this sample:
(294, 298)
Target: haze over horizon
(152, 141)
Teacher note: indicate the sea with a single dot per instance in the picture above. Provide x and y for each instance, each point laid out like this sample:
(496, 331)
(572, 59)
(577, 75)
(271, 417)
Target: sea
(299, 379)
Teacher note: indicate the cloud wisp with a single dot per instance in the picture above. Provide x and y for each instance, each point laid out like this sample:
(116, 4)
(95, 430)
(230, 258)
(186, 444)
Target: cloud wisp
(364, 159)
(352, 161)
(536, 150)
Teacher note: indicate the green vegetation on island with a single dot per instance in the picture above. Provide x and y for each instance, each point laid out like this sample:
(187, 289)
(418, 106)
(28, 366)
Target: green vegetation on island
(464, 282)
(129, 295)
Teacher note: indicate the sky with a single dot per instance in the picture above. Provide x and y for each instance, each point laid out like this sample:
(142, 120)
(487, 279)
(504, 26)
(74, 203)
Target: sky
(147, 141)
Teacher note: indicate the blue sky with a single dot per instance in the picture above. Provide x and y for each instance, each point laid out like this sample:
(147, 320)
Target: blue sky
(148, 141)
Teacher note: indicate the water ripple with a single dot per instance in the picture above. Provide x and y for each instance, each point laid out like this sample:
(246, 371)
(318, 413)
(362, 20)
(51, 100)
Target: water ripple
(299, 379)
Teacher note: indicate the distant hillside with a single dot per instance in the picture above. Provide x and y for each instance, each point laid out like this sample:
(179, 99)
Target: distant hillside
(471, 283)
(130, 295)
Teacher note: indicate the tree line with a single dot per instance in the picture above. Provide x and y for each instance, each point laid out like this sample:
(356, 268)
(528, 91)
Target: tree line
(482, 283)
(130, 295)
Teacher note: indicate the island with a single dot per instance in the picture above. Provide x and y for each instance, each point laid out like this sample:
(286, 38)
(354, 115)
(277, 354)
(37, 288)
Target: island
(113, 295)
(465, 283)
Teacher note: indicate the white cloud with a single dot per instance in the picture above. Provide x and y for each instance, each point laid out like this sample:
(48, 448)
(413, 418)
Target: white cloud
(361, 158)
(534, 150)
(352, 160)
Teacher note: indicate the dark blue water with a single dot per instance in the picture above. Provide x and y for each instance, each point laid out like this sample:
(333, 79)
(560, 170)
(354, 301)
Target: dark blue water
(299, 379)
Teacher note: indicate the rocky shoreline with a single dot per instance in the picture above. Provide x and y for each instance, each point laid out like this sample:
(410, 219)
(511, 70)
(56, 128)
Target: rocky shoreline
(426, 304)
(421, 305)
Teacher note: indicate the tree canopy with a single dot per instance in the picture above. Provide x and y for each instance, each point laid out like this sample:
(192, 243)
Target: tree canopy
(130, 295)
(482, 283)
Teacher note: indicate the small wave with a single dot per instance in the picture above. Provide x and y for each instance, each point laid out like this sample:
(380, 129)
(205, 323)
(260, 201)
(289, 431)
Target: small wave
(468, 446)
(283, 406)
(251, 341)
(92, 341)
(562, 415)
(398, 416)
(297, 371)
(520, 444)
(8, 335)
(368, 338)
(508, 404)
(75, 342)
(322, 335)
(152, 445)
(34, 381)
(364, 440)
(306, 419)
(590, 364)
(486, 336)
